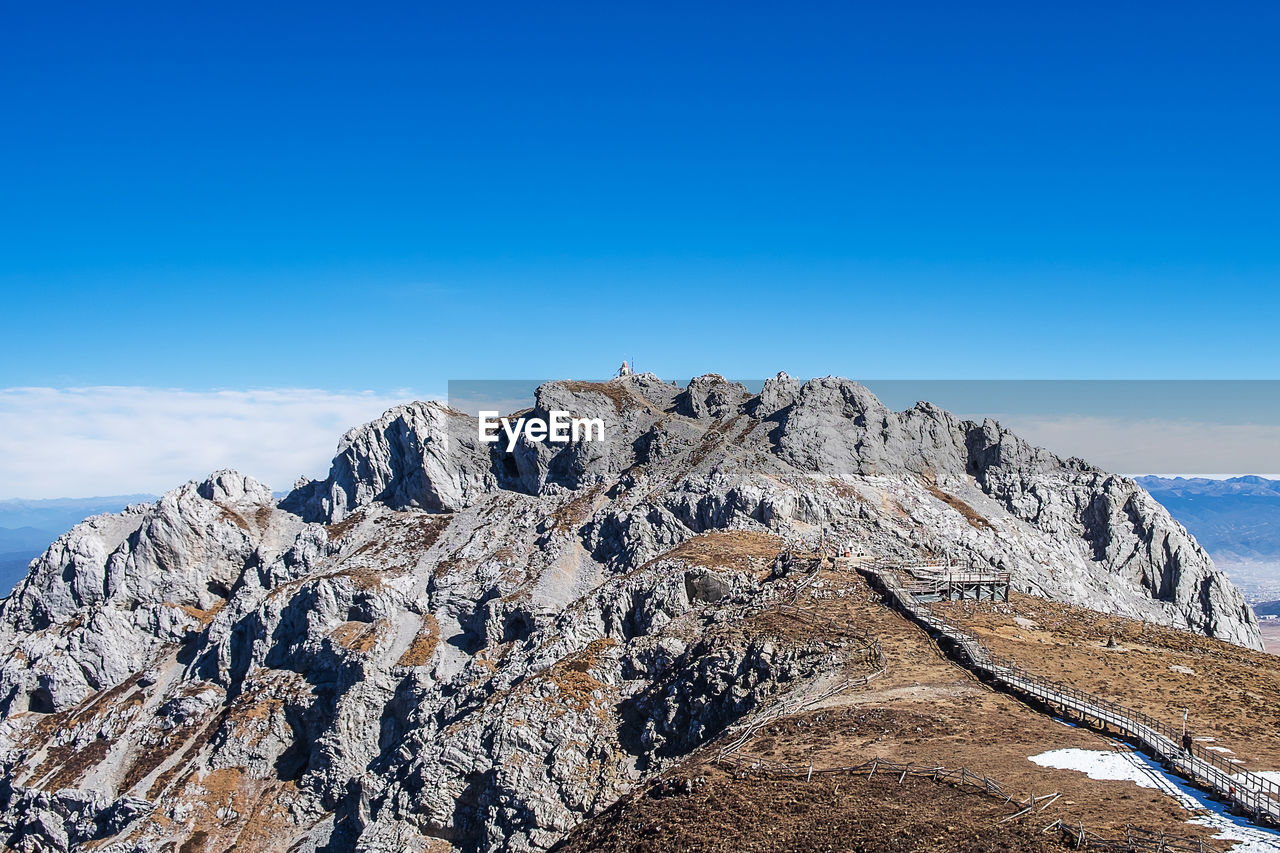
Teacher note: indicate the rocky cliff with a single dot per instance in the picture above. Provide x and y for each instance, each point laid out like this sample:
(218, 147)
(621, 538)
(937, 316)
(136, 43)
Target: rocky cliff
(446, 645)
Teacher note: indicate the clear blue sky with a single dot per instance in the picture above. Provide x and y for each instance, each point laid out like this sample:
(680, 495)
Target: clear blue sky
(384, 196)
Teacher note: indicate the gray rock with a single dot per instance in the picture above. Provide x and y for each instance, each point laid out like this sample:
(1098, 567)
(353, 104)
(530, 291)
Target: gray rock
(485, 648)
(711, 396)
(422, 455)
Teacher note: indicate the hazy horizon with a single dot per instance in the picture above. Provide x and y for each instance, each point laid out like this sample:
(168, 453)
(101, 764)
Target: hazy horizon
(131, 440)
(152, 496)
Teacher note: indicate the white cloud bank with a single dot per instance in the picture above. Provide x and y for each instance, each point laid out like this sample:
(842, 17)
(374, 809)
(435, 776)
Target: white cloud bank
(1156, 446)
(59, 442)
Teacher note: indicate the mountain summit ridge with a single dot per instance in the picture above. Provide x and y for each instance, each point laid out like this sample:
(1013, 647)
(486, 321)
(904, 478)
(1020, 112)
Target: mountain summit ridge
(446, 642)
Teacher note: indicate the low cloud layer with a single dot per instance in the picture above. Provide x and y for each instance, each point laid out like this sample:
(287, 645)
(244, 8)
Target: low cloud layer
(1155, 446)
(116, 440)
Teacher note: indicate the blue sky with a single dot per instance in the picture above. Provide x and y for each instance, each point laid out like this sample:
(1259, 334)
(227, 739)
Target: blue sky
(378, 198)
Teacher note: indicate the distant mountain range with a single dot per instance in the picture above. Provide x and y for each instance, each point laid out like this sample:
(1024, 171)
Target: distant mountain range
(28, 527)
(1238, 523)
(1236, 520)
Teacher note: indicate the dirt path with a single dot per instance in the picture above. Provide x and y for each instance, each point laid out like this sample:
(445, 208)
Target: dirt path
(1232, 694)
(928, 710)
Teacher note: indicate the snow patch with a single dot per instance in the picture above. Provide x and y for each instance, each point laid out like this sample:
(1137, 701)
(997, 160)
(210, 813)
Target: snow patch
(1097, 764)
(1147, 773)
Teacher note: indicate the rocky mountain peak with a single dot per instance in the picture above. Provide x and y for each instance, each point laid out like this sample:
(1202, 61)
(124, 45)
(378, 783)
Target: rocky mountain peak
(446, 641)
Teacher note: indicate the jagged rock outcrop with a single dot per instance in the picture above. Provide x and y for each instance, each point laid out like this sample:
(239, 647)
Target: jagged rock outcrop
(448, 644)
(421, 455)
(110, 595)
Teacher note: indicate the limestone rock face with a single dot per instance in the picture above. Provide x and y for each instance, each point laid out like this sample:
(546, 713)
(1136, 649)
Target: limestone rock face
(109, 595)
(418, 455)
(778, 393)
(447, 644)
(711, 396)
(839, 428)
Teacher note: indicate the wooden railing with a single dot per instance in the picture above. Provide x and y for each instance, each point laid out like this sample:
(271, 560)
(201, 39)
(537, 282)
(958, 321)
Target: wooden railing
(1135, 840)
(1256, 795)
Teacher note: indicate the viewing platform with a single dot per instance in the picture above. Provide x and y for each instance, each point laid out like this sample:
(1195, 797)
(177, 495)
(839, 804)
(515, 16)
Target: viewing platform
(942, 582)
(950, 583)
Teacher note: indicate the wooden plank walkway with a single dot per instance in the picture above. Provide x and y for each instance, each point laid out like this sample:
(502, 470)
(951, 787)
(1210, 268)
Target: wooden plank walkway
(956, 585)
(1251, 793)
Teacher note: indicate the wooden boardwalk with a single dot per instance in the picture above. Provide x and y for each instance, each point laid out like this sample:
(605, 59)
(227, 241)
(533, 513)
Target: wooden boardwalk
(1248, 792)
(948, 583)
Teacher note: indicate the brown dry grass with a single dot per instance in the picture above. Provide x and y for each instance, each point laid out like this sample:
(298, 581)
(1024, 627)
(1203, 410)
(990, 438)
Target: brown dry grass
(339, 529)
(797, 628)
(366, 577)
(248, 714)
(147, 757)
(193, 746)
(424, 643)
(621, 398)
(160, 744)
(226, 513)
(115, 701)
(1233, 695)
(927, 710)
(255, 816)
(78, 763)
(731, 550)
(970, 514)
(576, 512)
(837, 812)
(423, 531)
(359, 637)
(572, 675)
(197, 843)
(414, 529)
(204, 617)
(448, 565)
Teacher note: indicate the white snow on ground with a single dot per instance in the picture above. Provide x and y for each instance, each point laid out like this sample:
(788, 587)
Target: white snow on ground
(1135, 767)
(1273, 775)
(1218, 748)
(1096, 764)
